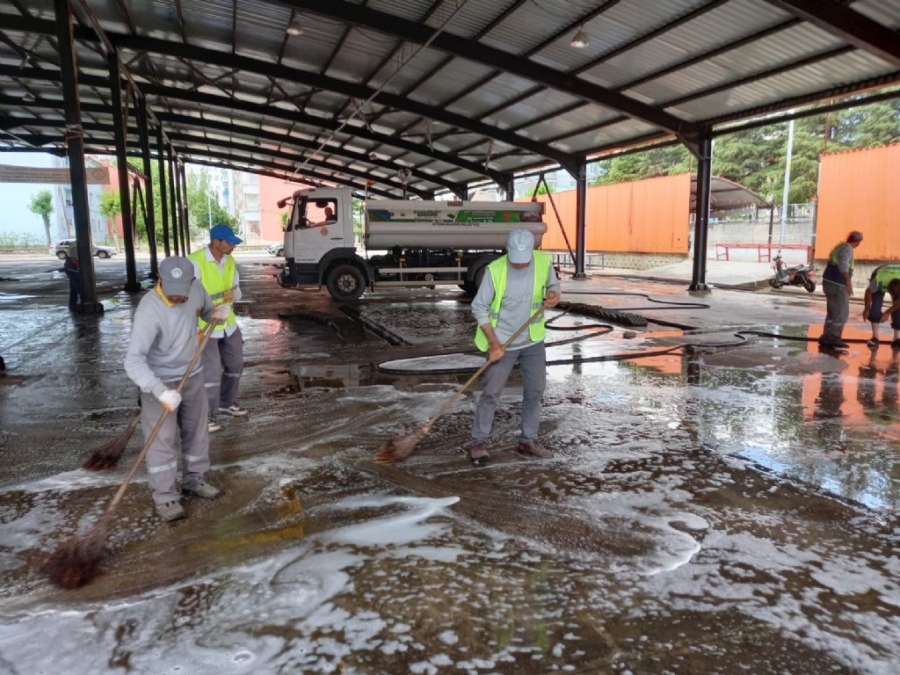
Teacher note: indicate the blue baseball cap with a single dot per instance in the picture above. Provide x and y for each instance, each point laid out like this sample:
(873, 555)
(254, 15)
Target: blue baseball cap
(519, 246)
(225, 233)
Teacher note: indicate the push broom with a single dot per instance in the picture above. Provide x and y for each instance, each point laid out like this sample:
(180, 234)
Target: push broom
(400, 447)
(76, 561)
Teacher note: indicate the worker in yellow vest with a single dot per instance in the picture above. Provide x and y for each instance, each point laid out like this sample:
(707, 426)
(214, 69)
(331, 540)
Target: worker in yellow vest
(223, 358)
(516, 288)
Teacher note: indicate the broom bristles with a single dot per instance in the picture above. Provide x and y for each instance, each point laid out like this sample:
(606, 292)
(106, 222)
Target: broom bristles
(107, 456)
(77, 561)
(396, 449)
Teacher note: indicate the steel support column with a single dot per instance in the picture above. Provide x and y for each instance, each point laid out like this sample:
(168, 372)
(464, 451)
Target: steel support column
(150, 216)
(121, 139)
(701, 220)
(176, 203)
(510, 188)
(163, 196)
(580, 219)
(75, 149)
(185, 224)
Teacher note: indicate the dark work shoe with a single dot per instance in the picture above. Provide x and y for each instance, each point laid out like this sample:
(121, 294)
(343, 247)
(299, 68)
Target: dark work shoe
(840, 344)
(872, 343)
(534, 449)
(895, 344)
(479, 454)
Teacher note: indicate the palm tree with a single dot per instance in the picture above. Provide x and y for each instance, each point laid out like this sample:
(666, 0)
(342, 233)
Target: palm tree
(42, 205)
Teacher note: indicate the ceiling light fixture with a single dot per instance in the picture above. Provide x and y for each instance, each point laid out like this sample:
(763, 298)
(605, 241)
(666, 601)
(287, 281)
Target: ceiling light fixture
(294, 28)
(580, 40)
(28, 98)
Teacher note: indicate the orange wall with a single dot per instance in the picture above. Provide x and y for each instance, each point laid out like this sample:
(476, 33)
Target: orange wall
(643, 216)
(270, 191)
(860, 190)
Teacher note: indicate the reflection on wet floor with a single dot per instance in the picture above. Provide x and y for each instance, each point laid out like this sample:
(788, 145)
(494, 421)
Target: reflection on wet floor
(718, 503)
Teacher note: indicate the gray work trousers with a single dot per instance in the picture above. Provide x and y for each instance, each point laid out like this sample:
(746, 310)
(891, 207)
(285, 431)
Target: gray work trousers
(837, 311)
(532, 362)
(223, 363)
(191, 418)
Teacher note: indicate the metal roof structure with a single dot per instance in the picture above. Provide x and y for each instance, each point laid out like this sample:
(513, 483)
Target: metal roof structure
(454, 91)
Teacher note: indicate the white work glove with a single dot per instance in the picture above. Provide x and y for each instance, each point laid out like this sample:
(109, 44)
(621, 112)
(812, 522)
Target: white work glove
(170, 399)
(221, 312)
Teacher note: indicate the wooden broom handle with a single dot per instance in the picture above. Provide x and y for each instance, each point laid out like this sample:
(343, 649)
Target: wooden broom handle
(459, 392)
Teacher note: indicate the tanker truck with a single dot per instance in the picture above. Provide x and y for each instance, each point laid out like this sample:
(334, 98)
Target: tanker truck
(406, 243)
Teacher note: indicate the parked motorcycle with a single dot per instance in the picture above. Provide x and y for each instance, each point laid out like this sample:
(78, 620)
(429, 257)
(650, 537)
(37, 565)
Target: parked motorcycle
(798, 275)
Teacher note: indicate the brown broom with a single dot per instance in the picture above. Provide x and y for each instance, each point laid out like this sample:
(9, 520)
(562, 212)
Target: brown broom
(75, 563)
(398, 448)
(107, 456)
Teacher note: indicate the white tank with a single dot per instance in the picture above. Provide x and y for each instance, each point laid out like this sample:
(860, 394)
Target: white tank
(459, 225)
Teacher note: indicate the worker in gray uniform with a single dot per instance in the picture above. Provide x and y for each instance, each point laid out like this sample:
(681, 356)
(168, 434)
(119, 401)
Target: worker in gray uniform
(163, 342)
(515, 288)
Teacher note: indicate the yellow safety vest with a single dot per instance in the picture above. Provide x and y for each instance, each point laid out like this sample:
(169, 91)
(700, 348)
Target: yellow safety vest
(215, 280)
(498, 269)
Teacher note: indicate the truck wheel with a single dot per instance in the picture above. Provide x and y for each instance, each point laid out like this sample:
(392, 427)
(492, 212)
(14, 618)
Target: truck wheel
(61, 255)
(345, 283)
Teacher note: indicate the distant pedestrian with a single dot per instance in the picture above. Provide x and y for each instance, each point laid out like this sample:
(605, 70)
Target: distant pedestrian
(882, 280)
(837, 284)
(163, 342)
(73, 272)
(223, 358)
(517, 286)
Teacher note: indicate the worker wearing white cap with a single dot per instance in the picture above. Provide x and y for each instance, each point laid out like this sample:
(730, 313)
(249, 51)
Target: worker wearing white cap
(837, 285)
(163, 342)
(516, 286)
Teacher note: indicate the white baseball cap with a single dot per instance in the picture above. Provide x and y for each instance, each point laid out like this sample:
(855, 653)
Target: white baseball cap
(519, 246)
(176, 274)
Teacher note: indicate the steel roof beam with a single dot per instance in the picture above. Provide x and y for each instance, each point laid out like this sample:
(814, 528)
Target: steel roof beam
(847, 24)
(477, 52)
(36, 141)
(352, 155)
(276, 154)
(236, 62)
(226, 157)
(258, 109)
(212, 142)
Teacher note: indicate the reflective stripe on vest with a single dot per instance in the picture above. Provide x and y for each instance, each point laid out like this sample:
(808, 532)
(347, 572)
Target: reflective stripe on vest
(497, 269)
(216, 281)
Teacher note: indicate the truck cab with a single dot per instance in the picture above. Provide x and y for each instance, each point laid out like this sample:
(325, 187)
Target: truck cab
(318, 239)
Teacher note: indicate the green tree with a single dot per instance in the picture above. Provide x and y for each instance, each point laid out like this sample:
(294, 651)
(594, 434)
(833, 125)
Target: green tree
(42, 205)
(110, 207)
(202, 203)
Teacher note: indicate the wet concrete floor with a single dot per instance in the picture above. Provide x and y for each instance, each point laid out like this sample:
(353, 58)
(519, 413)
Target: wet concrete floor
(721, 501)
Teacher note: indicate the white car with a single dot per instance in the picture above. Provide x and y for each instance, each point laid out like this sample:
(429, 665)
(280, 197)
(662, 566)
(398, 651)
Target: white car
(62, 248)
(276, 249)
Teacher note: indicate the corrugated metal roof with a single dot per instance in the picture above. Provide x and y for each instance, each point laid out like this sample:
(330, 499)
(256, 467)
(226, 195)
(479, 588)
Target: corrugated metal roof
(735, 57)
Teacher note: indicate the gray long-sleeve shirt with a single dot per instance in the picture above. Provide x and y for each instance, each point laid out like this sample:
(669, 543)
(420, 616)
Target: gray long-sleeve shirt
(164, 339)
(515, 307)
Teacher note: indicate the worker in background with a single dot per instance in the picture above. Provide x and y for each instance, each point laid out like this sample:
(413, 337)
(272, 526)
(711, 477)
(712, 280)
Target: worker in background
(163, 342)
(892, 313)
(879, 282)
(837, 284)
(223, 358)
(73, 272)
(517, 286)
